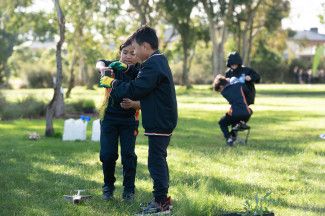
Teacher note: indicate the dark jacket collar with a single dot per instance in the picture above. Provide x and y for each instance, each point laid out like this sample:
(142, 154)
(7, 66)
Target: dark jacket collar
(157, 52)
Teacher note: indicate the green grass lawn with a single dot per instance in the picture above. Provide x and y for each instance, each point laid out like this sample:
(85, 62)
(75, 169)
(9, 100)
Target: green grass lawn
(284, 155)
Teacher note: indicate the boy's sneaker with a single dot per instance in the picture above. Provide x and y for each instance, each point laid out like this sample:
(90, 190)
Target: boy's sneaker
(230, 141)
(240, 126)
(155, 208)
(128, 196)
(107, 193)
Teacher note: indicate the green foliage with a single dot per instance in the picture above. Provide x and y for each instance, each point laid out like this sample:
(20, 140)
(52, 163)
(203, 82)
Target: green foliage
(269, 64)
(80, 106)
(3, 102)
(28, 107)
(40, 79)
(317, 58)
(32, 107)
(88, 106)
(16, 26)
(35, 67)
(259, 206)
(7, 41)
(277, 10)
(11, 111)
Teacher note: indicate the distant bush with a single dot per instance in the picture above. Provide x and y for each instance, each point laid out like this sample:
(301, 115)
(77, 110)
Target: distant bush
(80, 106)
(88, 106)
(11, 111)
(2, 101)
(32, 108)
(40, 79)
(269, 65)
(29, 107)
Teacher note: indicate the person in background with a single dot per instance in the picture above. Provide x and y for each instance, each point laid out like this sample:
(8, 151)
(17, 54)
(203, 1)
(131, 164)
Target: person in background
(247, 75)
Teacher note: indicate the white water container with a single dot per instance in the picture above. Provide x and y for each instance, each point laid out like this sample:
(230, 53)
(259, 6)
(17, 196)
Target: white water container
(95, 135)
(68, 134)
(74, 130)
(80, 129)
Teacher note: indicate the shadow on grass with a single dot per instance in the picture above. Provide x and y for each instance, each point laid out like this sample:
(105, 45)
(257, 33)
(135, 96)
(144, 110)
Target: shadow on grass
(30, 189)
(290, 93)
(200, 134)
(33, 183)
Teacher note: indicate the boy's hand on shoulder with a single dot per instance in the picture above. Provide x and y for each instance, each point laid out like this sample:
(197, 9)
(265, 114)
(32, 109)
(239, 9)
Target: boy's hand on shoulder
(248, 78)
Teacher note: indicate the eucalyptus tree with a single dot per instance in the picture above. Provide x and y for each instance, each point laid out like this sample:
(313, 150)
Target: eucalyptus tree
(251, 17)
(143, 9)
(178, 13)
(92, 19)
(218, 14)
(56, 105)
(19, 23)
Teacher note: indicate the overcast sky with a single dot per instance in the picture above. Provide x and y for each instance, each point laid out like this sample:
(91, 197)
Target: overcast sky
(303, 15)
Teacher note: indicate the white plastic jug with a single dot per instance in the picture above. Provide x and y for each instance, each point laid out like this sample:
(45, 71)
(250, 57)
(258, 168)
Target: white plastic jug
(74, 130)
(95, 136)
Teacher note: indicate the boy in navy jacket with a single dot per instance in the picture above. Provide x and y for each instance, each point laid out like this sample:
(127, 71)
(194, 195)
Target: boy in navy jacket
(154, 87)
(239, 110)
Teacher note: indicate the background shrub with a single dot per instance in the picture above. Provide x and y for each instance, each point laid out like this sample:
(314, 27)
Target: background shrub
(88, 106)
(29, 107)
(80, 106)
(40, 79)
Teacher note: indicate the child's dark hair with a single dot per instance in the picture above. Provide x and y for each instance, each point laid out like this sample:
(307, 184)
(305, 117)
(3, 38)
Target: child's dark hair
(218, 82)
(146, 34)
(128, 42)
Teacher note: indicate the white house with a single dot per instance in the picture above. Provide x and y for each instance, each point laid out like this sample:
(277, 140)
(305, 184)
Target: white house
(304, 43)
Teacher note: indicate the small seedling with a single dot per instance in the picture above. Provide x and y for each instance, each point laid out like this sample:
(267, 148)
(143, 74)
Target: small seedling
(260, 207)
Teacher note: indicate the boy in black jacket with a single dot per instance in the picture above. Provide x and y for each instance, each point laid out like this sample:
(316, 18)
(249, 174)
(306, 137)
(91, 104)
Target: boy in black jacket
(154, 87)
(239, 110)
(248, 75)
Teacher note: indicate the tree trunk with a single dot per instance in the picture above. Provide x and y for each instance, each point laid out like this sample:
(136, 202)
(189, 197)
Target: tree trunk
(238, 37)
(141, 9)
(250, 44)
(247, 39)
(218, 64)
(208, 8)
(185, 80)
(72, 76)
(221, 51)
(56, 106)
(212, 30)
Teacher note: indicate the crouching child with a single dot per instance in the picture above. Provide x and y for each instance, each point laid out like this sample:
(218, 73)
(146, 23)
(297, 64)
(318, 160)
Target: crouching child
(239, 112)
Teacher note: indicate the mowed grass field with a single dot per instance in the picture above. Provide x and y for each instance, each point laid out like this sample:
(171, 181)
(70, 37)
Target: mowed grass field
(284, 155)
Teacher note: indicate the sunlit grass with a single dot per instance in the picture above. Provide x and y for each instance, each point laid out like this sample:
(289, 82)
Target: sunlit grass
(284, 155)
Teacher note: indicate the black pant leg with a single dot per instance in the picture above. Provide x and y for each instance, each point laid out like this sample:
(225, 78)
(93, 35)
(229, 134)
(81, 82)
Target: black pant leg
(128, 135)
(158, 166)
(224, 122)
(109, 151)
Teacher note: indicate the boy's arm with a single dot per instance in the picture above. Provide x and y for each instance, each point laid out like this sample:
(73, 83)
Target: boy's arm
(133, 71)
(228, 74)
(255, 77)
(136, 89)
